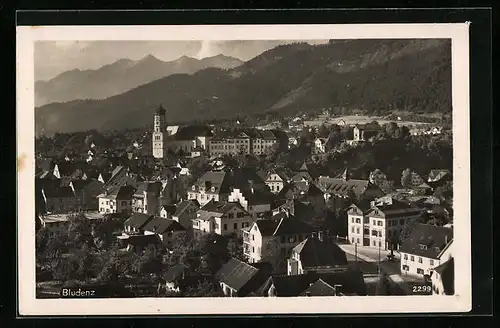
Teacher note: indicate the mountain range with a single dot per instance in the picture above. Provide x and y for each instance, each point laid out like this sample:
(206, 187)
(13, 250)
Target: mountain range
(412, 75)
(120, 76)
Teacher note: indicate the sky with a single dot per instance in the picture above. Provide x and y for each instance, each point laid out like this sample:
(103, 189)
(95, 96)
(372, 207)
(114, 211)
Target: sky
(55, 57)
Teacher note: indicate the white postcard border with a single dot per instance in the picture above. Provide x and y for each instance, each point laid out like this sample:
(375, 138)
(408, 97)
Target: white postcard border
(29, 305)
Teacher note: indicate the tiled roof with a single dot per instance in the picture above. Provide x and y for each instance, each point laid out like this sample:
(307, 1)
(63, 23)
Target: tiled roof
(258, 197)
(351, 282)
(144, 240)
(81, 184)
(170, 209)
(427, 241)
(236, 274)
(120, 193)
(138, 220)
(58, 192)
(219, 179)
(436, 175)
(397, 208)
(296, 285)
(316, 253)
(221, 207)
(341, 187)
(190, 132)
(283, 226)
(181, 274)
(160, 225)
(243, 277)
(153, 187)
(267, 227)
(182, 206)
(320, 288)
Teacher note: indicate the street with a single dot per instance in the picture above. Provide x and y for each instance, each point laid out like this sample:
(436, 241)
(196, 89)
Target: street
(368, 259)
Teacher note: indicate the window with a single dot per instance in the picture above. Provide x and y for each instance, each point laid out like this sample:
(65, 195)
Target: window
(374, 233)
(253, 237)
(230, 215)
(389, 233)
(379, 244)
(405, 256)
(402, 221)
(357, 240)
(357, 230)
(420, 271)
(380, 233)
(420, 260)
(380, 223)
(412, 258)
(366, 220)
(239, 214)
(225, 227)
(374, 243)
(235, 226)
(358, 220)
(352, 220)
(352, 240)
(253, 249)
(431, 261)
(406, 268)
(374, 222)
(352, 229)
(389, 223)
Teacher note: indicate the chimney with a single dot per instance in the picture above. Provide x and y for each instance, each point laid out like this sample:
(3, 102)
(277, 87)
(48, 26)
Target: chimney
(446, 240)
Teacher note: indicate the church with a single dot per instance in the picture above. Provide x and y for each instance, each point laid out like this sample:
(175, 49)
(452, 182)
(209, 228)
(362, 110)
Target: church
(187, 138)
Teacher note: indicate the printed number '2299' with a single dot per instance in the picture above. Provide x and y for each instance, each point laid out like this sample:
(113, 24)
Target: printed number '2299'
(422, 289)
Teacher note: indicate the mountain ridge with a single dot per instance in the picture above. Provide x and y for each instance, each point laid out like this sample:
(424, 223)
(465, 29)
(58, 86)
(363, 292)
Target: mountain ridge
(120, 76)
(413, 75)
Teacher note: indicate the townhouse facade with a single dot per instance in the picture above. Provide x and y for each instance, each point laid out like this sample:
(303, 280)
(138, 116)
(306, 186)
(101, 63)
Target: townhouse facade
(426, 248)
(271, 240)
(221, 218)
(378, 225)
(116, 200)
(213, 185)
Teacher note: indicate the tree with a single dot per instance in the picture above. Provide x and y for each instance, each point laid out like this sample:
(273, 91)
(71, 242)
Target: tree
(406, 178)
(103, 232)
(334, 139)
(205, 288)
(80, 231)
(235, 248)
(151, 261)
(214, 251)
(323, 131)
(390, 129)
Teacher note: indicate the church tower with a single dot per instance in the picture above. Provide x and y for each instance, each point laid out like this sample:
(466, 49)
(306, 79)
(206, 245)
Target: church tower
(159, 133)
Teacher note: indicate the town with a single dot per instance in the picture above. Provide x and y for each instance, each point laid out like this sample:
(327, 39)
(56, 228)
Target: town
(310, 205)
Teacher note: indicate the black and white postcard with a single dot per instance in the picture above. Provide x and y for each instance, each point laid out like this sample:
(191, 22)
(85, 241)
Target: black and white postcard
(243, 169)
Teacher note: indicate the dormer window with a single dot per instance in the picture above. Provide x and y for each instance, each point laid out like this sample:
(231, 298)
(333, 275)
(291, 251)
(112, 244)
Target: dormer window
(437, 249)
(422, 246)
(193, 188)
(212, 189)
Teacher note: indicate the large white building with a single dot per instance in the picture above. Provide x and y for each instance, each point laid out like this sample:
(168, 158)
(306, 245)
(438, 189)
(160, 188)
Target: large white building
(378, 223)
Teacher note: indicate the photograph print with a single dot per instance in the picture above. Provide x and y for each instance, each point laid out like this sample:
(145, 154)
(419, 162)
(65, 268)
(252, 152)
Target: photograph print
(277, 171)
